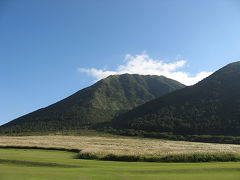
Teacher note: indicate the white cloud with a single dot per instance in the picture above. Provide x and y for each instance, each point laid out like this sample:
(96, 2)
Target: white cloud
(143, 64)
(97, 73)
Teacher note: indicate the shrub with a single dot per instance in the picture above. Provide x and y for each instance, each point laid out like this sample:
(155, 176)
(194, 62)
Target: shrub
(196, 157)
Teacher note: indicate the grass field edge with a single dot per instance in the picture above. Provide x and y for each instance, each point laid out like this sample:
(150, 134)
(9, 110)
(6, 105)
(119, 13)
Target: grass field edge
(191, 157)
(41, 148)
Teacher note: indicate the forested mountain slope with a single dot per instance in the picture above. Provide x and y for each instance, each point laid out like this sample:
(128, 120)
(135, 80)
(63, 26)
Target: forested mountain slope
(210, 107)
(97, 103)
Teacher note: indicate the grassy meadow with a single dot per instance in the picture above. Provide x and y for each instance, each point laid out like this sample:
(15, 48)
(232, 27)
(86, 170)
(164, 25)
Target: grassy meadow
(30, 164)
(103, 144)
(45, 164)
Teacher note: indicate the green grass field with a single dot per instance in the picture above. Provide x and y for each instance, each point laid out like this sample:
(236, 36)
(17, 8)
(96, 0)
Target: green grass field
(30, 164)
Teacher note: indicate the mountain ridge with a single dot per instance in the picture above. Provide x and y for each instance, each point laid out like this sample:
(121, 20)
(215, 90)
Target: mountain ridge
(210, 107)
(95, 104)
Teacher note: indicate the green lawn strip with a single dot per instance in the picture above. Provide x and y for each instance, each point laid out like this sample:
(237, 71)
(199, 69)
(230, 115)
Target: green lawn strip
(136, 172)
(104, 170)
(32, 163)
(36, 155)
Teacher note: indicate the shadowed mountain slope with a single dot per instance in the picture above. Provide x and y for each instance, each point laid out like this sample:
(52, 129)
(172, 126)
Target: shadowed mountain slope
(97, 103)
(210, 107)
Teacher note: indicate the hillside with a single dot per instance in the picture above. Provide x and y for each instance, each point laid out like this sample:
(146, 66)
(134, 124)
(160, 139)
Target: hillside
(211, 107)
(97, 103)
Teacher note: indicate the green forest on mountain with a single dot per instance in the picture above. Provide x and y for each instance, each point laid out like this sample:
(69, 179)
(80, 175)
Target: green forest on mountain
(98, 103)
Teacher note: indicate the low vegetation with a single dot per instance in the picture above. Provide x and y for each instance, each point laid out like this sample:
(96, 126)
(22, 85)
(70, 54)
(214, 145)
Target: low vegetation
(171, 136)
(103, 144)
(196, 157)
(192, 157)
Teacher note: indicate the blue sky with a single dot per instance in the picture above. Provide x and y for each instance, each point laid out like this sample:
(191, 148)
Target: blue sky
(50, 49)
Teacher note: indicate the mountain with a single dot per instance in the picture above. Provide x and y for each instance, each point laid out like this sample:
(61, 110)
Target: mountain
(211, 107)
(95, 104)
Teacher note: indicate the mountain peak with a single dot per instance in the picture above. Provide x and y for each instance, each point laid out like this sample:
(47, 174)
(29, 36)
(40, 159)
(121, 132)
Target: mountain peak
(210, 107)
(231, 68)
(133, 75)
(237, 63)
(98, 103)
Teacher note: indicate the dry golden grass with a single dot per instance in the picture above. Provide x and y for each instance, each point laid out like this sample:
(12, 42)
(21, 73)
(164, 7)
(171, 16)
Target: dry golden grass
(119, 145)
